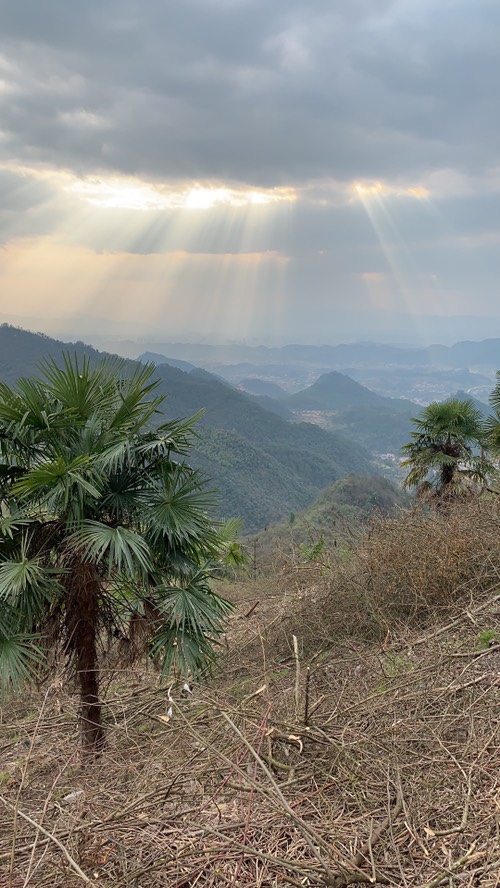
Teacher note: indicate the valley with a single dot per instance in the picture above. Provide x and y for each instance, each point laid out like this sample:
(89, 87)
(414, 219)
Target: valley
(269, 450)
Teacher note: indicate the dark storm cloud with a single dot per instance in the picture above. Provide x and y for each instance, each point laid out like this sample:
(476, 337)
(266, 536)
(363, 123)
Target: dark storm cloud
(251, 90)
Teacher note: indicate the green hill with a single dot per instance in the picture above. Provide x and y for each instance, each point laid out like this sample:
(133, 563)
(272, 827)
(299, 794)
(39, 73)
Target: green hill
(154, 358)
(333, 391)
(263, 466)
(378, 423)
(336, 391)
(21, 352)
(484, 409)
(337, 514)
(366, 496)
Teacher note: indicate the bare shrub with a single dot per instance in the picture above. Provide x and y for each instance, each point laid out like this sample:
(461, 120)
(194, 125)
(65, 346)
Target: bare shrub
(415, 566)
(404, 571)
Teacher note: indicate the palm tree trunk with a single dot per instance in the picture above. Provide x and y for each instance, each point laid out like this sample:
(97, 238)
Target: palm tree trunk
(448, 471)
(83, 614)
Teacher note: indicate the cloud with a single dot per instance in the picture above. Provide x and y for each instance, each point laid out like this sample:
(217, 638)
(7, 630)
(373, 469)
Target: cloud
(352, 146)
(254, 92)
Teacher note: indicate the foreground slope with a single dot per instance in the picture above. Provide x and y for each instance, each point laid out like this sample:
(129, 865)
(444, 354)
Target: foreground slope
(367, 754)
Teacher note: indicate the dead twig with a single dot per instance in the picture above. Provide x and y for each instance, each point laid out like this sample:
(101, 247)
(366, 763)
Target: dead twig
(73, 864)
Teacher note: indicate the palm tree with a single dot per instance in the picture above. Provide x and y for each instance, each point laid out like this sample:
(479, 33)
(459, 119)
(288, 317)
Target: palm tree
(446, 456)
(492, 424)
(103, 526)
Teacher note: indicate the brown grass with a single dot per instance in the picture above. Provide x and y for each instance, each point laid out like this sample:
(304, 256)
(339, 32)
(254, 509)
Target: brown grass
(404, 573)
(356, 760)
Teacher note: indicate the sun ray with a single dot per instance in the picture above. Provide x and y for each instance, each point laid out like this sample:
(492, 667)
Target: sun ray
(411, 283)
(170, 254)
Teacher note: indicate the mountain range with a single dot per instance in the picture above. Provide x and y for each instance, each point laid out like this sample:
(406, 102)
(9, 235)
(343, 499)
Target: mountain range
(338, 403)
(484, 354)
(417, 374)
(270, 451)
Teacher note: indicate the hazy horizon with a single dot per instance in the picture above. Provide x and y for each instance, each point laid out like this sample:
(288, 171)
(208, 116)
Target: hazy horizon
(462, 330)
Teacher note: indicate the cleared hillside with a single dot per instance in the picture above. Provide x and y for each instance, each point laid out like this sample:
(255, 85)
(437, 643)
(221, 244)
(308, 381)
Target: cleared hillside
(368, 756)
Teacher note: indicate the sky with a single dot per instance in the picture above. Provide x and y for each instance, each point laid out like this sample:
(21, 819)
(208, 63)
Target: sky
(251, 170)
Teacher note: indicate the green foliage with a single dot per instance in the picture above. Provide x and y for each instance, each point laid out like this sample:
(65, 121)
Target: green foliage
(193, 619)
(492, 424)
(266, 480)
(94, 489)
(313, 551)
(446, 455)
(233, 553)
(20, 656)
(487, 638)
(368, 495)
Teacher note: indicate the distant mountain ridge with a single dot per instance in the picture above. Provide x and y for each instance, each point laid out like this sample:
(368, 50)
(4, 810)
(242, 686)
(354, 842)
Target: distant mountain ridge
(417, 374)
(154, 358)
(255, 386)
(465, 354)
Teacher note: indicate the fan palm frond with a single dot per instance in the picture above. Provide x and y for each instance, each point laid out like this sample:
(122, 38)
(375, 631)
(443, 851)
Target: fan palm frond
(119, 547)
(446, 447)
(179, 506)
(27, 586)
(20, 661)
(194, 620)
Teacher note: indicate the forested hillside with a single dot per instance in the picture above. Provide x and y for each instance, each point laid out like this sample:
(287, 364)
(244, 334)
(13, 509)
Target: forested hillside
(337, 516)
(334, 391)
(21, 352)
(262, 466)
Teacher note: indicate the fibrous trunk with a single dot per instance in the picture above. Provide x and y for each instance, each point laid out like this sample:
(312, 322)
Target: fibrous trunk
(82, 622)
